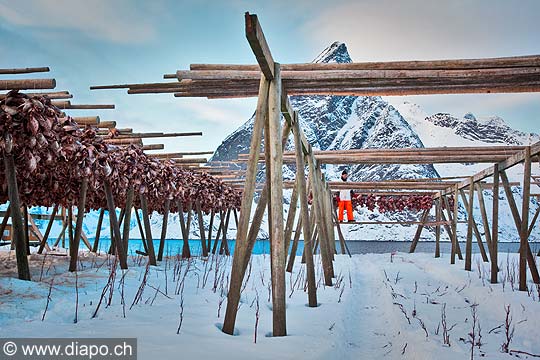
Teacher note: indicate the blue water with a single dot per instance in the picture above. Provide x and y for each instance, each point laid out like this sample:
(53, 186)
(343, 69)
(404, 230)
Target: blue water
(174, 246)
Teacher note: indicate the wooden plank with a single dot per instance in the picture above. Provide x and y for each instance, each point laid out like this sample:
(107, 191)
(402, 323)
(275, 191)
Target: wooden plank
(26, 70)
(259, 46)
(291, 215)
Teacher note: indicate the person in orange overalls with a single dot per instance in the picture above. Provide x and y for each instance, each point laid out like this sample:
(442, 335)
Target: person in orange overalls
(345, 200)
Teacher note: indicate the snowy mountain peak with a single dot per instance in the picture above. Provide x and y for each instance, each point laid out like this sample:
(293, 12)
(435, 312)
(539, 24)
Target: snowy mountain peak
(469, 116)
(335, 53)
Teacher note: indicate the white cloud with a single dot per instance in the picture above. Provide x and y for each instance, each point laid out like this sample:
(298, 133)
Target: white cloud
(426, 29)
(119, 21)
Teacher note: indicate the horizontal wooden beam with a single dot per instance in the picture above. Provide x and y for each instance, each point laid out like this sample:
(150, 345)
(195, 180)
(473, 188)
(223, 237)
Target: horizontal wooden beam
(50, 95)
(27, 84)
(486, 63)
(153, 147)
(503, 165)
(86, 120)
(26, 70)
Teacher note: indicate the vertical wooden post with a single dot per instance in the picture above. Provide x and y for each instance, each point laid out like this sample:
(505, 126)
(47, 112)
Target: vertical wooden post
(116, 229)
(304, 214)
(237, 273)
(524, 231)
(127, 218)
(47, 230)
(483, 212)
(26, 230)
(256, 225)
(7, 214)
(148, 231)
(186, 251)
(218, 234)
(17, 231)
(70, 230)
(202, 232)
(141, 230)
(474, 227)
(98, 230)
(64, 226)
(518, 222)
(470, 219)
(291, 215)
(438, 210)
(294, 247)
(210, 226)
(454, 226)
(419, 229)
(164, 229)
(495, 226)
(329, 210)
(277, 256)
(314, 180)
(224, 247)
(74, 248)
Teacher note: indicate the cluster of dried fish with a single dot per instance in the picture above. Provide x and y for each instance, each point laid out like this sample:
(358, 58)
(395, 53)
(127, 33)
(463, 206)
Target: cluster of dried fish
(53, 155)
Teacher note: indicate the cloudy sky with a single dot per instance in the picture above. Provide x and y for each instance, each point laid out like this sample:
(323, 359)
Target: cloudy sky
(93, 42)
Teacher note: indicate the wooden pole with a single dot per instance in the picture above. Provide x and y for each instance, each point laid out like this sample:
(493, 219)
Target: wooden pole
(518, 222)
(294, 247)
(239, 258)
(164, 230)
(256, 224)
(495, 226)
(483, 212)
(186, 251)
(64, 227)
(277, 256)
(304, 215)
(74, 250)
(210, 226)
(116, 229)
(454, 226)
(524, 231)
(220, 228)
(127, 218)
(47, 230)
(470, 219)
(7, 215)
(26, 229)
(148, 230)
(314, 181)
(438, 213)
(224, 247)
(201, 228)
(98, 230)
(21, 253)
(291, 217)
(419, 229)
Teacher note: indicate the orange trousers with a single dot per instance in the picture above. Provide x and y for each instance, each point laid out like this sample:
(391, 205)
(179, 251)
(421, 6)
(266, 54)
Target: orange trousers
(345, 205)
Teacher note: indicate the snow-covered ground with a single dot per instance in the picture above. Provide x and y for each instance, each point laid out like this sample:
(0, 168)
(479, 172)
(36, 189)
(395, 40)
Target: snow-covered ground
(377, 309)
